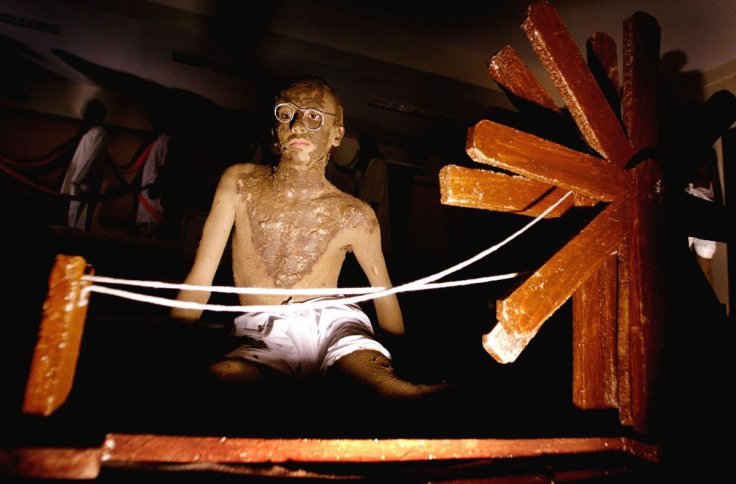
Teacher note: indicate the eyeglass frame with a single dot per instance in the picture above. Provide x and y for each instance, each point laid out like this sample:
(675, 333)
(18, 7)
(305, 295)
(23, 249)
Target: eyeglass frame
(304, 111)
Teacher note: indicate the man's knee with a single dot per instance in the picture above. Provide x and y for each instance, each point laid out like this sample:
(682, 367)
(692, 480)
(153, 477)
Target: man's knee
(364, 360)
(235, 371)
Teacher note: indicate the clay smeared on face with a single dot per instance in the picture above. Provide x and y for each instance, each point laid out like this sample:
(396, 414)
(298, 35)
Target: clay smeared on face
(309, 94)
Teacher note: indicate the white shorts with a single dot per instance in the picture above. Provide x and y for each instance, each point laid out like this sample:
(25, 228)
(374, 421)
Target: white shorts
(305, 342)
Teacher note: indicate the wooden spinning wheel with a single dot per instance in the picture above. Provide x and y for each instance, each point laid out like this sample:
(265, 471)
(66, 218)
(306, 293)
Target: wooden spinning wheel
(613, 269)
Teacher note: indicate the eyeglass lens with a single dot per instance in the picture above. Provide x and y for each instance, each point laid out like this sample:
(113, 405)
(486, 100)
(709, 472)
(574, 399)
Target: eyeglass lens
(311, 117)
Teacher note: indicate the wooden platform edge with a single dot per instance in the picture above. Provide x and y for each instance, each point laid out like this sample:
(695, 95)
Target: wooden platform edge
(120, 450)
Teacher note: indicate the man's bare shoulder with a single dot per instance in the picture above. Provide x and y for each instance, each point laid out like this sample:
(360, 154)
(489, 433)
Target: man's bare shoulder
(245, 169)
(238, 176)
(337, 195)
(355, 212)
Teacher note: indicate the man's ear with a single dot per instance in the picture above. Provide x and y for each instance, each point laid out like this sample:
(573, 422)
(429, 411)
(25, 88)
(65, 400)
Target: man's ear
(339, 133)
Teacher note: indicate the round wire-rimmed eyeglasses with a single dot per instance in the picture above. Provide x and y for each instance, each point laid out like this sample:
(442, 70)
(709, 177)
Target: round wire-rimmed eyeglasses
(313, 118)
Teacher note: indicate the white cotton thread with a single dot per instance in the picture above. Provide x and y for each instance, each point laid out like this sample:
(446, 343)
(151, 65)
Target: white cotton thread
(174, 303)
(322, 291)
(362, 293)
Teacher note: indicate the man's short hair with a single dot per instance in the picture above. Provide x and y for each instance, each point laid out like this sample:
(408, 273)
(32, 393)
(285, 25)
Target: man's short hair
(94, 112)
(313, 82)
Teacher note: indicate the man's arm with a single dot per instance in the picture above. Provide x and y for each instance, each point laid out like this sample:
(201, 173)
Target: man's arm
(367, 250)
(215, 235)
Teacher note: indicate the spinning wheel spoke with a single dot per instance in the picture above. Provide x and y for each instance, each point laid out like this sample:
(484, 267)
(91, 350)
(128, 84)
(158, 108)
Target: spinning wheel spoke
(517, 81)
(603, 63)
(544, 161)
(522, 314)
(557, 51)
(490, 190)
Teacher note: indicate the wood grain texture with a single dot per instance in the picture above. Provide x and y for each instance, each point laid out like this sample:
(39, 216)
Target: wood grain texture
(510, 73)
(547, 162)
(530, 98)
(560, 56)
(161, 448)
(595, 312)
(603, 64)
(595, 303)
(623, 366)
(524, 312)
(644, 217)
(641, 37)
(490, 190)
(59, 338)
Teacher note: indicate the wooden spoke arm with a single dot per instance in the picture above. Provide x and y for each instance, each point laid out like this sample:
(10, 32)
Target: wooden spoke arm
(547, 162)
(560, 56)
(491, 190)
(522, 314)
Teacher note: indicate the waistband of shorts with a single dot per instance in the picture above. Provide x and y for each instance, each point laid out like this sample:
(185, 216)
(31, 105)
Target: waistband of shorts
(336, 298)
(313, 299)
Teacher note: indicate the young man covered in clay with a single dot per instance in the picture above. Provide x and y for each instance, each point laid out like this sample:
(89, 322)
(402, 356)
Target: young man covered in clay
(291, 228)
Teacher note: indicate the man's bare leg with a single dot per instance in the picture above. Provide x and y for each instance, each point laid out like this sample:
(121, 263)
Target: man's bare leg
(233, 371)
(230, 383)
(376, 372)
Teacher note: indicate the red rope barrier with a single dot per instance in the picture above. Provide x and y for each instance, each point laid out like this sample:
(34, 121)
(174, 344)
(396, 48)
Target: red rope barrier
(44, 160)
(29, 182)
(141, 159)
(133, 168)
(151, 209)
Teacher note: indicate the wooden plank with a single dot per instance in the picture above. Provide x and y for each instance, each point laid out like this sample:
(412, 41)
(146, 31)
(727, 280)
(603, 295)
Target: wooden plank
(603, 64)
(514, 77)
(530, 98)
(547, 162)
(252, 456)
(648, 271)
(491, 190)
(522, 314)
(646, 302)
(641, 73)
(595, 310)
(623, 365)
(595, 303)
(59, 337)
(120, 448)
(560, 56)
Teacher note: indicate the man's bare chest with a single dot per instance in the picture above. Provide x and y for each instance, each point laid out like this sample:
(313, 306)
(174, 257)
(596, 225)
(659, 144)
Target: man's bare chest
(290, 236)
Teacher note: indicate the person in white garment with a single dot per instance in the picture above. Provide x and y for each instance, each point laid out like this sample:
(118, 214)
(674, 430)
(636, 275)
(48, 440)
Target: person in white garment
(150, 214)
(84, 174)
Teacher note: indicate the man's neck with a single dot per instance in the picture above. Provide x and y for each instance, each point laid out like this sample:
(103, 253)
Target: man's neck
(300, 180)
